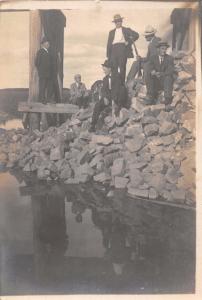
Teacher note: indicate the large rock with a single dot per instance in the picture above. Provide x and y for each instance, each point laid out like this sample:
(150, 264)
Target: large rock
(66, 172)
(136, 178)
(138, 165)
(179, 195)
(118, 167)
(138, 193)
(134, 145)
(167, 128)
(85, 169)
(84, 156)
(3, 158)
(57, 153)
(133, 130)
(153, 194)
(156, 181)
(148, 120)
(172, 175)
(102, 177)
(97, 159)
(102, 139)
(120, 182)
(151, 129)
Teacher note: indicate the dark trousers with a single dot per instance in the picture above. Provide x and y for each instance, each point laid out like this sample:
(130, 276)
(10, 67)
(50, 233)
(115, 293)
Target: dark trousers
(154, 85)
(119, 59)
(99, 107)
(81, 101)
(43, 87)
(53, 90)
(179, 35)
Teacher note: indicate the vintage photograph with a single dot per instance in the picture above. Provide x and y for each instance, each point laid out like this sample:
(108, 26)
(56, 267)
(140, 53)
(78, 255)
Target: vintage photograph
(97, 147)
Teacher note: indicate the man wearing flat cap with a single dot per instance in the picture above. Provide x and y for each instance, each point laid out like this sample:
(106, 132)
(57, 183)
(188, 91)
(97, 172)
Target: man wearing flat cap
(113, 92)
(142, 62)
(119, 46)
(160, 75)
(44, 68)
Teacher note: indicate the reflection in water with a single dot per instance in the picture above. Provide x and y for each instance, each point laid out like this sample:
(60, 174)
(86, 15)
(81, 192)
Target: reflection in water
(85, 243)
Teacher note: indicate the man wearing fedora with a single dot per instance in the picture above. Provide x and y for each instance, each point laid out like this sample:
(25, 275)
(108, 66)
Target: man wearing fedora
(113, 92)
(160, 75)
(44, 68)
(142, 62)
(119, 46)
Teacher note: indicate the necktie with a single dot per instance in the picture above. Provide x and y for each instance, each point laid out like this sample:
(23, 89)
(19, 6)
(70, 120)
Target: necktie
(110, 83)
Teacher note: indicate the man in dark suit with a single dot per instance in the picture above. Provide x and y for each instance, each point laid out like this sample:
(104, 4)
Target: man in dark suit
(160, 75)
(119, 46)
(113, 91)
(44, 68)
(142, 62)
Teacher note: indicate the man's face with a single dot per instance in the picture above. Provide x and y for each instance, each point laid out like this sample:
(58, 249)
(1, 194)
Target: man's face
(106, 70)
(149, 37)
(46, 45)
(118, 23)
(78, 78)
(162, 50)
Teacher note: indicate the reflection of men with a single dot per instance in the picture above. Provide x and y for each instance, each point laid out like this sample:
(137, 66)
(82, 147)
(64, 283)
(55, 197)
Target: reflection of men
(112, 90)
(180, 18)
(43, 65)
(78, 92)
(142, 62)
(119, 46)
(160, 77)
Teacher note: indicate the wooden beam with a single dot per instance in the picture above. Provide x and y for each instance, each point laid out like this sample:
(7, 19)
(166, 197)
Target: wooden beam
(37, 107)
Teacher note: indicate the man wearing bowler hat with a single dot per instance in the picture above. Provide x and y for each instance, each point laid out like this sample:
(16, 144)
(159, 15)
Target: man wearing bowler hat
(44, 68)
(160, 75)
(142, 62)
(113, 92)
(119, 46)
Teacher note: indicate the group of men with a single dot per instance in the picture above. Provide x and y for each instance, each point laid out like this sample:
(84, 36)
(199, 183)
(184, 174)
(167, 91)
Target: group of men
(157, 67)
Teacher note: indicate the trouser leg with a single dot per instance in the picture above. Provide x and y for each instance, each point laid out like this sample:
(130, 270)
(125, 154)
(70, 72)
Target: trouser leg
(43, 83)
(152, 86)
(99, 107)
(119, 60)
(168, 89)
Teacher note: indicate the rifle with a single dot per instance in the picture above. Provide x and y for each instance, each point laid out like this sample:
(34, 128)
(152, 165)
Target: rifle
(139, 63)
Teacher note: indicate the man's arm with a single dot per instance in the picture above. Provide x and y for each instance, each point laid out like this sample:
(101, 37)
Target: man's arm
(133, 35)
(37, 59)
(109, 45)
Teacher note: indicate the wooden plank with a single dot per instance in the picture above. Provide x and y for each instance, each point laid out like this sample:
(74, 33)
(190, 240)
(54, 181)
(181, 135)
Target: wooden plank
(160, 202)
(37, 107)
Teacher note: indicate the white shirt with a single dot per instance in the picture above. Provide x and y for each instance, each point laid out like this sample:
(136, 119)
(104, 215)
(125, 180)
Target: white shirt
(45, 49)
(161, 59)
(119, 37)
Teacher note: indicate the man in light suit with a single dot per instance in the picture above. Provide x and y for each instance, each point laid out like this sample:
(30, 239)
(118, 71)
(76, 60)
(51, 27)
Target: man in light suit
(160, 75)
(142, 62)
(44, 68)
(113, 92)
(119, 46)
(78, 92)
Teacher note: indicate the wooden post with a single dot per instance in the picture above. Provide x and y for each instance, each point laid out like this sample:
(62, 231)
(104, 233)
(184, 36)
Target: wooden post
(35, 32)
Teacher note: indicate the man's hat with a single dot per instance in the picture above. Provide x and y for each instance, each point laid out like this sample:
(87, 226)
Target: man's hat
(117, 18)
(44, 39)
(163, 43)
(107, 64)
(149, 30)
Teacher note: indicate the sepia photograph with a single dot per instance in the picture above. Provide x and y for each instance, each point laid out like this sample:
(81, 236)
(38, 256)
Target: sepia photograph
(98, 111)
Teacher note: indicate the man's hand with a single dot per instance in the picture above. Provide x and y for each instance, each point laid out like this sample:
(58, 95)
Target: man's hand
(106, 101)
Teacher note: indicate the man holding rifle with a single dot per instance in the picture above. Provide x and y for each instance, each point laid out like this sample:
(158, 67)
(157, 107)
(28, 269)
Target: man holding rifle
(142, 62)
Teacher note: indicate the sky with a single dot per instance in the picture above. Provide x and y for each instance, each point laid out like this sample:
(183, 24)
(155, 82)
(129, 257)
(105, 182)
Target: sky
(85, 39)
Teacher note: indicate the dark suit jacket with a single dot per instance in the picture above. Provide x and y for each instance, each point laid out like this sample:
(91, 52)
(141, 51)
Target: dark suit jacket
(129, 35)
(152, 47)
(118, 90)
(43, 63)
(167, 66)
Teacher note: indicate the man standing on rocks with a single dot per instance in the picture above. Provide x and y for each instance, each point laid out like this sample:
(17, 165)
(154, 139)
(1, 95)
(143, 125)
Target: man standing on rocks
(113, 92)
(78, 92)
(142, 62)
(44, 68)
(160, 75)
(119, 46)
